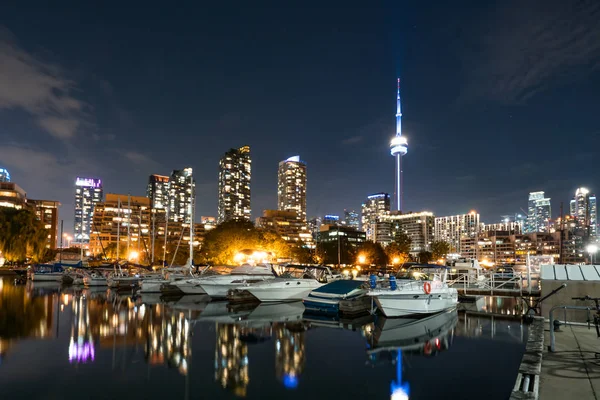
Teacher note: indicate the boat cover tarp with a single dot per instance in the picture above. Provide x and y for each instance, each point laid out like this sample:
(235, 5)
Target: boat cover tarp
(340, 287)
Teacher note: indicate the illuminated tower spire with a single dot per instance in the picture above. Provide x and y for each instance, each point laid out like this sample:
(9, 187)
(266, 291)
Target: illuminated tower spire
(398, 148)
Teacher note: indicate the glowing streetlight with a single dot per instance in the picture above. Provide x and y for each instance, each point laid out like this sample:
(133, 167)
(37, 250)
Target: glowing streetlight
(133, 255)
(362, 259)
(395, 260)
(592, 249)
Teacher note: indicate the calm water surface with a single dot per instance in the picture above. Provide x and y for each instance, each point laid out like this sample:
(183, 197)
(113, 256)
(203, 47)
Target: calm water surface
(69, 343)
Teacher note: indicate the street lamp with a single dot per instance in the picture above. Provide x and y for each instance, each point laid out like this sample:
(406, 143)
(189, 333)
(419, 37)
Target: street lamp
(592, 249)
(362, 259)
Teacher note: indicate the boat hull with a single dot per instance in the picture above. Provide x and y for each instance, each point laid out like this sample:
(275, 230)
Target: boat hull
(47, 277)
(187, 286)
(282, 289)
(95, 281)
(218, 286)
(409, 304)
(152, 286)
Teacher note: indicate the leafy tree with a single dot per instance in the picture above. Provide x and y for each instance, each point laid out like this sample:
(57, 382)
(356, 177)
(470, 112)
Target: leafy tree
(403, 241)
(440, 249)
(395, 254)
(424, 257)
(327, 253)
(22, 235)
(222, 243)
(373, 253)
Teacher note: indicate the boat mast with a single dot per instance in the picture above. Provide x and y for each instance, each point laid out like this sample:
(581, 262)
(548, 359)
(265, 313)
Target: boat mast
(61, 242)
(153, 233)
(128, 222)
(118, 225)
(166, 233)
(192, 222)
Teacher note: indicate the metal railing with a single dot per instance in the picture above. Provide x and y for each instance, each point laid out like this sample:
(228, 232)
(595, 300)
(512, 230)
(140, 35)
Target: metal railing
(489, 281)
(551, 348)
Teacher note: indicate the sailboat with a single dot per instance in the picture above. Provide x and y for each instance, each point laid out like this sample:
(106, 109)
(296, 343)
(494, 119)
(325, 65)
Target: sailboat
(172, 274)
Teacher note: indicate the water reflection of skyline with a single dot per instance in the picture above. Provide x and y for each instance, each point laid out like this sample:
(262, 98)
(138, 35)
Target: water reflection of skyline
(23, 315)
(232, 362)
(161, 334)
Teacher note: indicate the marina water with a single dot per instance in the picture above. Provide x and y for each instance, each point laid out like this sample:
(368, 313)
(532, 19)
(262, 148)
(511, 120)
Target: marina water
(68, 343)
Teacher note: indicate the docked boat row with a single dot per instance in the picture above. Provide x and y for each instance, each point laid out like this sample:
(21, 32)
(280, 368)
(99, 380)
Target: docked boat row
(417, 290)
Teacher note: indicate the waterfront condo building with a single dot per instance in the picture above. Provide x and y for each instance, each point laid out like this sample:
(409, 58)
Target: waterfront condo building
(181, 194)
(124, 218)
(291, 186)
(88, 192)
(288, 226)
(453, 228)
(538, 213)
(158, 191)
(235, 171)
(47, 212)
(4, 175)
(373, 211)
(584, 209)
(419, 227)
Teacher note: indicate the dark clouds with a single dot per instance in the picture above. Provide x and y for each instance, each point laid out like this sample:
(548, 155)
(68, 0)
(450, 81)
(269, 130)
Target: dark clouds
(519, 49)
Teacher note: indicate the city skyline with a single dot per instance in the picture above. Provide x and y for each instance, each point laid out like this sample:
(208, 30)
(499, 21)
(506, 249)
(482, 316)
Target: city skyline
(472, 120)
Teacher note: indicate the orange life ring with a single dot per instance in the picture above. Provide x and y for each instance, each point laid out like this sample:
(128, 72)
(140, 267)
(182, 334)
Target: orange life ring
(427, 287)
(427, 348)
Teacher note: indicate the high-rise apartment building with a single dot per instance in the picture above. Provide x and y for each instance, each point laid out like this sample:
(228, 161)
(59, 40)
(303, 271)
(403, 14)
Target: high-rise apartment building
(4, 175)
(291, 186)
(351, 219)
(583, 208)
(373, 210)
(47, 212)
(234, 185)
(452, 228)
(158, 191)
(539, 213)
(419, 227)
(182, 189)
(88, 192)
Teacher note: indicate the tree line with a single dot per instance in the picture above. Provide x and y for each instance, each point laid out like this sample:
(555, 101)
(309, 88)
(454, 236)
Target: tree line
(22, 235)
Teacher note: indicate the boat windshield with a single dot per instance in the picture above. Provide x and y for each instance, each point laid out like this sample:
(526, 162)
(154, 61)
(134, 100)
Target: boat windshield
(420, 274)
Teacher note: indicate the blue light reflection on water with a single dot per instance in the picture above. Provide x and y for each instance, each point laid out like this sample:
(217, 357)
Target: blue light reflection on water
(158, 351)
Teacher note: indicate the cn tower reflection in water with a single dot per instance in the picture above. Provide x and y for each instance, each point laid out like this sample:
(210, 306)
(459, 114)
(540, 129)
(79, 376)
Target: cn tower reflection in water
(391, 338)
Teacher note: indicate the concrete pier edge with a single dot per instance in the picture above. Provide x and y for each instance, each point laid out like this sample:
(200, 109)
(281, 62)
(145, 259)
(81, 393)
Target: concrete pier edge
(527, 384)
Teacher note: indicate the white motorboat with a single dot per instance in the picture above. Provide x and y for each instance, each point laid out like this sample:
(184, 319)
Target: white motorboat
(282, 289)
(418, 291)
(216, 286)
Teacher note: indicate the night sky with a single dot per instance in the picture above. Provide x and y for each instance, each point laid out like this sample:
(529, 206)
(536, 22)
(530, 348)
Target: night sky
(499, 98)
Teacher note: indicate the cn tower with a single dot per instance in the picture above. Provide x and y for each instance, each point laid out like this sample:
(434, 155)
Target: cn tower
(398, 148)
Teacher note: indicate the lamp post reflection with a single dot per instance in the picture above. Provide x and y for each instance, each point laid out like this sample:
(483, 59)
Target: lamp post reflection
(290, 355)
(231, 359)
